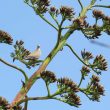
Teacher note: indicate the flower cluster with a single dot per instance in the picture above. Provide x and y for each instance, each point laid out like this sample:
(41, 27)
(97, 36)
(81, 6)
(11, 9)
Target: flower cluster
(67, 12)
(20, 53)
(72, 99)
(4, 105)
(5, 37)
(67, 85)
(85, 70)
(68, 91)
(106, 24)
(94, 89)
(100, 63)
(41, 5)
(92, 32)
(86, 55)
(53, 12)
(48, 77)
(81, 22)
(98, 14)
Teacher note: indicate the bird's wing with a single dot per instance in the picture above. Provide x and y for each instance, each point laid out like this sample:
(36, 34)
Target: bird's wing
(34, 55)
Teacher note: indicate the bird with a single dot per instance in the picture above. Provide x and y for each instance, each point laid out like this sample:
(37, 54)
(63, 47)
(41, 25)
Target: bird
(35, 54)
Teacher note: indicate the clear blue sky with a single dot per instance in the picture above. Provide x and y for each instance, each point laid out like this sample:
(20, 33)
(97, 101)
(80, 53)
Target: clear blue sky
(21, 22)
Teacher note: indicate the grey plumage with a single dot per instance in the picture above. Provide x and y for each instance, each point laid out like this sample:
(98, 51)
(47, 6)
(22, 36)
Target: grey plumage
(34, 55)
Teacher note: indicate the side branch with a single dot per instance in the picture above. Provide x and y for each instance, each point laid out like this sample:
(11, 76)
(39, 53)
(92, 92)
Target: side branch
(103, 6)
(80, 4)
(15, 67)
(88, 65)
(43, 18)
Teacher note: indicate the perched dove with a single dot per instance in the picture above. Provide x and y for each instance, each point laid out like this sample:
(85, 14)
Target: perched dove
(34, 55)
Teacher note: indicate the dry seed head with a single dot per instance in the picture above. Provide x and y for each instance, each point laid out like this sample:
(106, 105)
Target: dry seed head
(98, 14)
(66, 12)
(48, 76)
(95, 78)
(85, 69)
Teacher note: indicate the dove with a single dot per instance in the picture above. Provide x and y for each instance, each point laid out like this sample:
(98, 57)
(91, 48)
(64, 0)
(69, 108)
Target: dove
(35, 54)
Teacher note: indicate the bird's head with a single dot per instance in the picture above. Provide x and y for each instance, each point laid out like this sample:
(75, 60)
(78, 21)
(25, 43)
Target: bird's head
(38, 46)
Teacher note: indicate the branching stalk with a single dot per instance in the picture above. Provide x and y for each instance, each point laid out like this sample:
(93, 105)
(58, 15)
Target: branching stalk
(88, 65)
(103, 6)
(21, 94)
(42, 16)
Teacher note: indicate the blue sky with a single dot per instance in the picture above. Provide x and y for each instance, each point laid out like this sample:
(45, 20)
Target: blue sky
(21, 22)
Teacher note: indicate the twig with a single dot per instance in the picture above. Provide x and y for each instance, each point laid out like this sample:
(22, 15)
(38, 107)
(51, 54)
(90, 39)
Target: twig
(26, 104)
(80, 81)
(80, 3)
(15, 67)
(54, 19)
(85, 93)
(103, 6)
(48, 90)
(88, 65)
(76, 54)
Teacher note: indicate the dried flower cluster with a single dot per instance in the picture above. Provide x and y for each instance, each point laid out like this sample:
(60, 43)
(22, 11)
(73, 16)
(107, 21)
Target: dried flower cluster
(68, 91)
(67, 12)
(92, 32)
(41, 5)
(94, 89)
(20, 51)
(72, 99)
(67, 85)
(4, 105)
(86, 55)
(48, 77)
(81, 23)
(98, 14)
(5, 37)
(100, 63)
(54, 12)
(85, 70)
